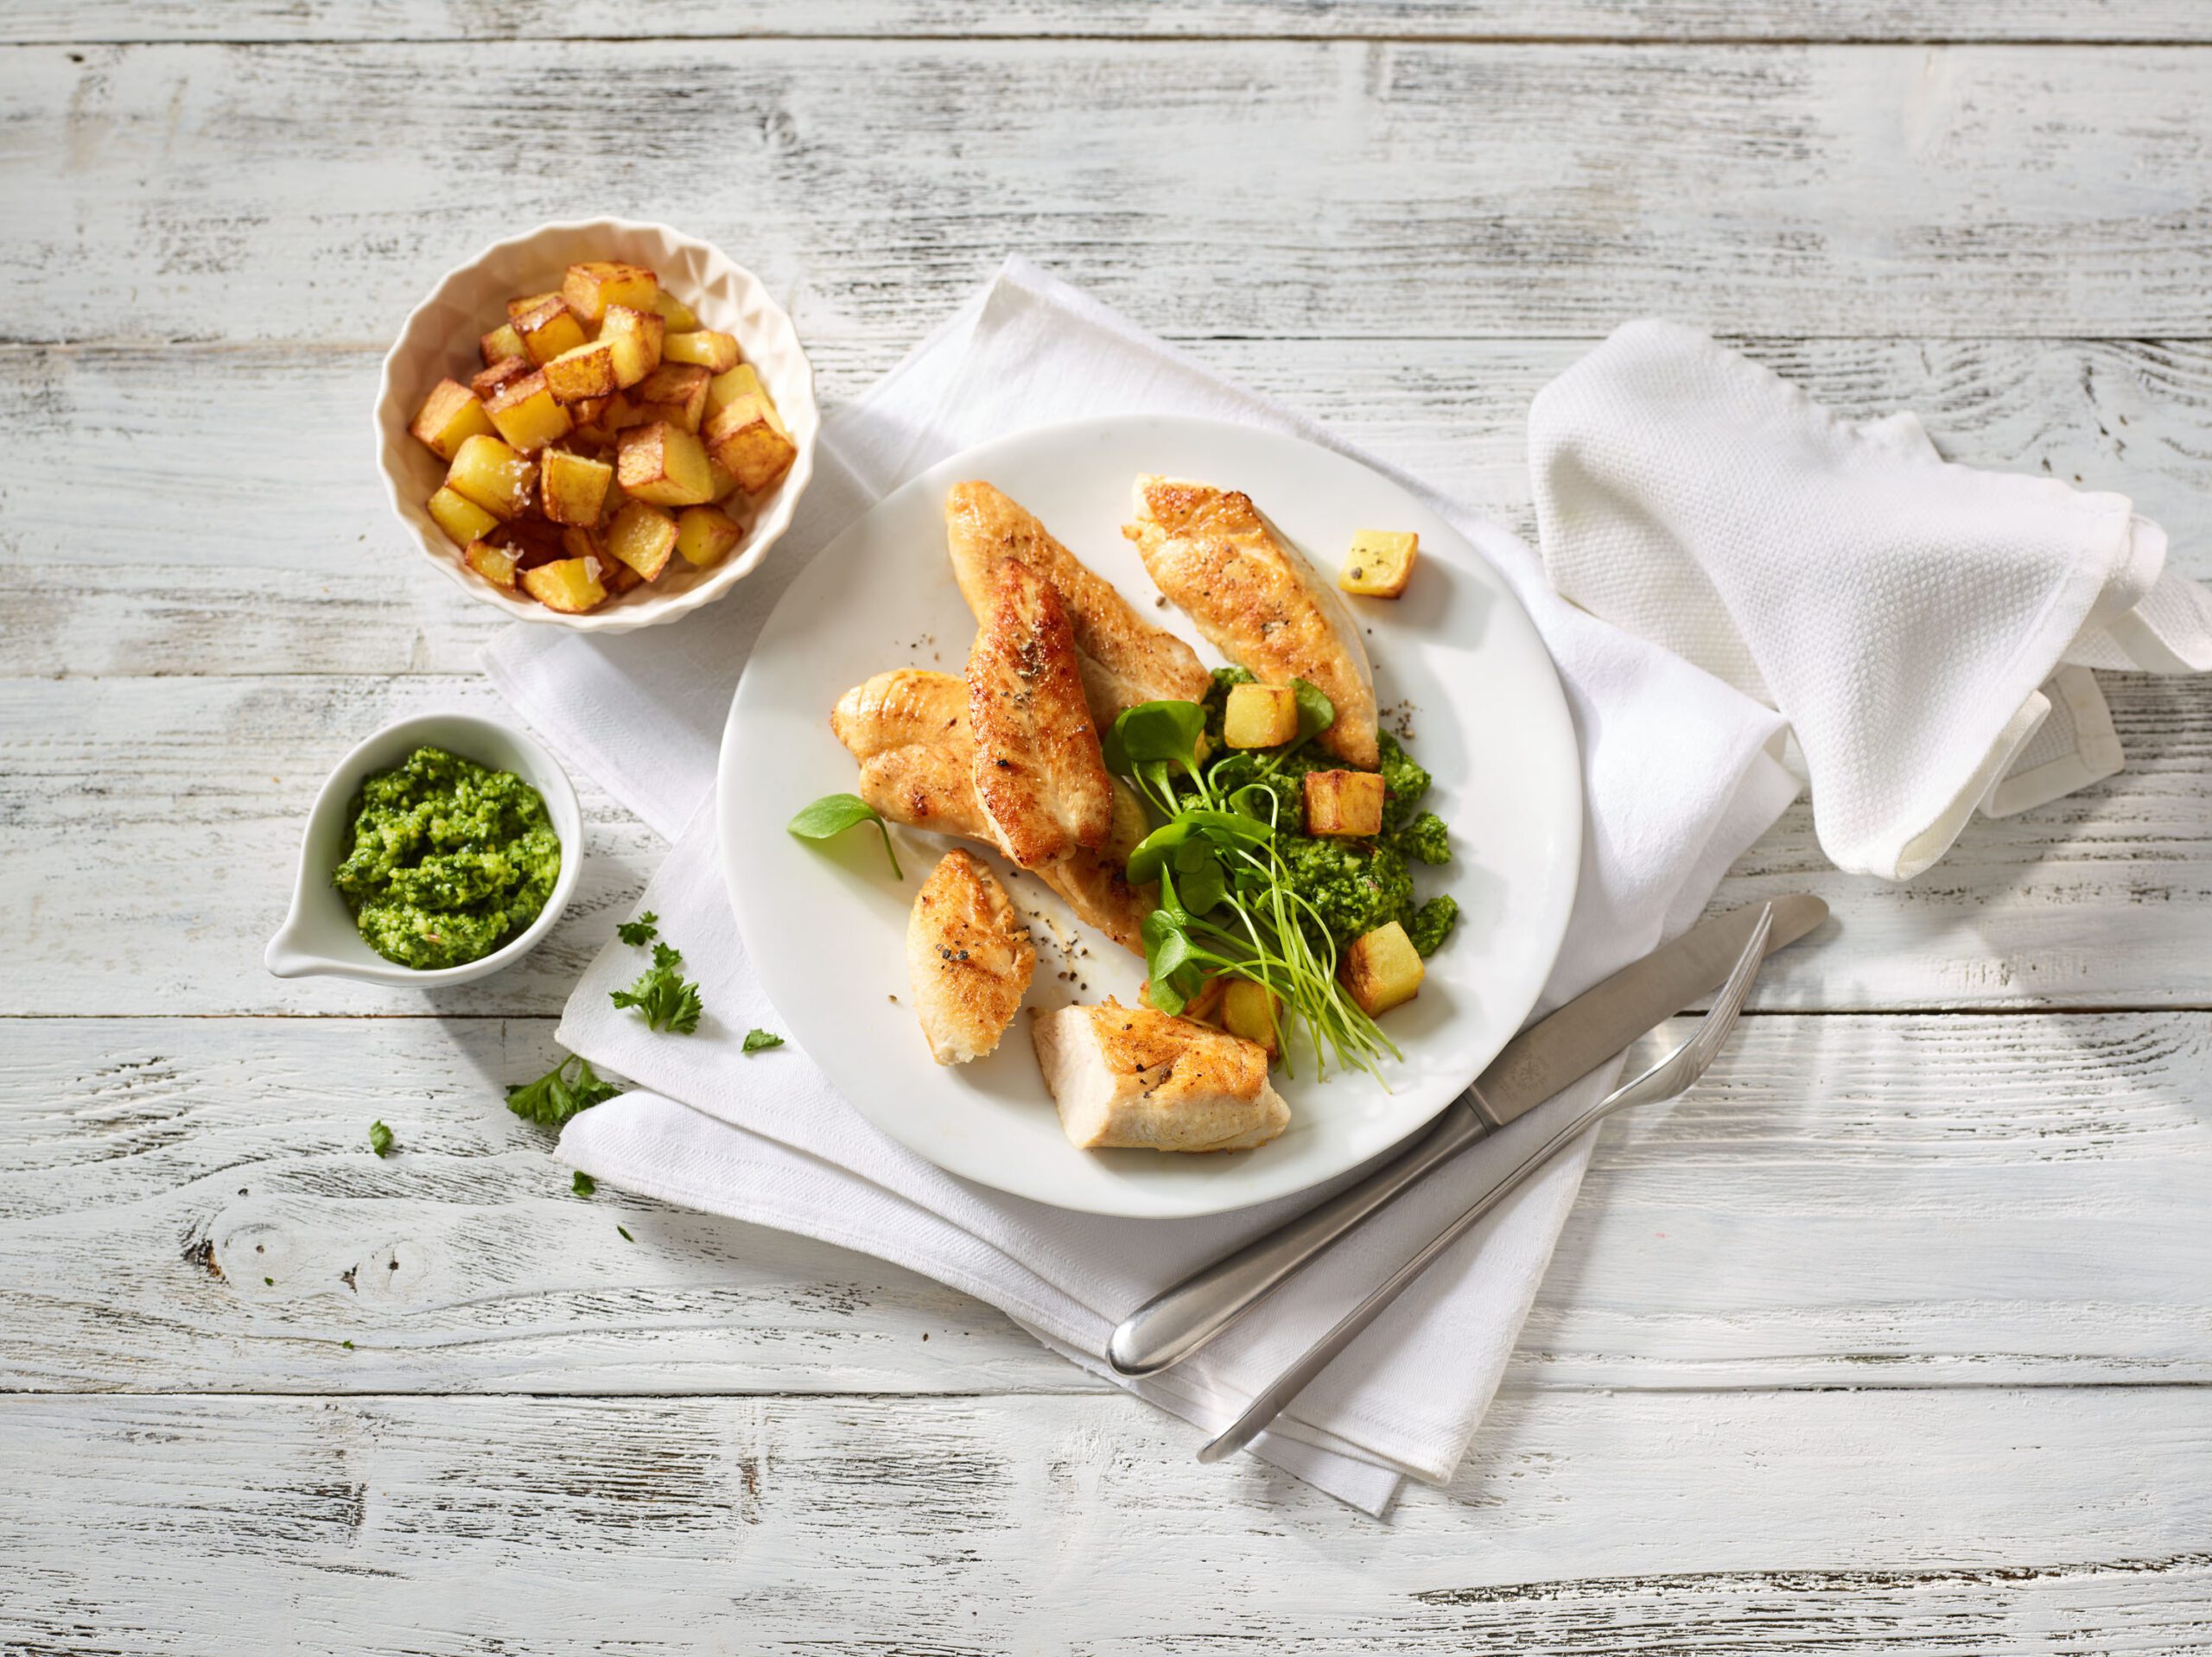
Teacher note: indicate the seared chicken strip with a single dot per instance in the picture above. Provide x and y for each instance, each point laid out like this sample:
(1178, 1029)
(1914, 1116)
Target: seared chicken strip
(1038, 772)
(1258, 601)
(968, 959)
(909, 730)
(1128, 1076)
(1123, 658)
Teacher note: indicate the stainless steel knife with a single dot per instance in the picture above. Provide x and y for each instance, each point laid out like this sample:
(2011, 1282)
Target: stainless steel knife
(1547, 1056)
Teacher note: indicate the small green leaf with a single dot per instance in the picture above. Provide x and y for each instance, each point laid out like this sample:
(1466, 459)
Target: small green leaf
(269, 1282)
(626, 1237)
(1316, 713)
(583, 1184)
(348, 1345)
(756, 1040)
(640, 931)
(379, 1139)
(1155, 731)
(552, 1099)
(833, 814)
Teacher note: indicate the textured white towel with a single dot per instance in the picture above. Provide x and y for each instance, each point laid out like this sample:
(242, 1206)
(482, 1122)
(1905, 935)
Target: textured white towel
(1678, 782)
(1925, 627)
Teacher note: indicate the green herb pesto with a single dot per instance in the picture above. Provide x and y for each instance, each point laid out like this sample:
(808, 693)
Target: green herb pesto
(1356, 885)
(449, 860)
(1431, 924)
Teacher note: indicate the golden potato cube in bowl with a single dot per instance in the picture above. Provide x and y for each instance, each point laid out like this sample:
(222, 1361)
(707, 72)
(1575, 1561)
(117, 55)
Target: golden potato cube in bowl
(705, 534)
(1344, 803)
(526, 414)
(451, 412)
(572, 488)
(595, 285)
(492, 475)
(751, 442)
(524, 303)
(502, 341)
(704, 347)
(665, 465)
(501, 374)
(680, 317)
(1250, 1010)
(464, 522)
(549, 330)
(495, 564)
(741, 380)
(636, 337)
(584, 373)
(1260, 716)
(1382, 970)
(568, 585)
(1380, 563)
(675, 392)
(644, 538)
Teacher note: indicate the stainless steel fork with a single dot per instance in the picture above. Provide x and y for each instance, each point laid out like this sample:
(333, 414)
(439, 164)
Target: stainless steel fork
(1672, 1075)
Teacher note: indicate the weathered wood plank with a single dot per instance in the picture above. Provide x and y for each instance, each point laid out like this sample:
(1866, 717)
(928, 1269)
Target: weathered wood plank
(1419, 190)
(149, 828)
(191, 1204)
(1468, 20)
(1980, 1520)
(185, 561)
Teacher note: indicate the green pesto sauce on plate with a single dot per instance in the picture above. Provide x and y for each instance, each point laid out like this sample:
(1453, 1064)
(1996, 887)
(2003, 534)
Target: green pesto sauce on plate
(449, 860)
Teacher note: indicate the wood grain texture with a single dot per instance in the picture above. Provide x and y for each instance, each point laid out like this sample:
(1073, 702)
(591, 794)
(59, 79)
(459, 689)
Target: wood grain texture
(191, 1205)
(2080, 20)
(1085, 1526)
(184, 562)
(1389, 191)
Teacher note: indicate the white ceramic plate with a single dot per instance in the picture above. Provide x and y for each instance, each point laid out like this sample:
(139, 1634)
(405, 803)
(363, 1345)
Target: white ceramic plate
(826, 925)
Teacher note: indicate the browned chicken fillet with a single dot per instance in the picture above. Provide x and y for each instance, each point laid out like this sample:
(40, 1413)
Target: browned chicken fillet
(1038, 771)
(1123, 658)
(1132, 1078)
(1258, 601)
(968, 959)
(909, 730)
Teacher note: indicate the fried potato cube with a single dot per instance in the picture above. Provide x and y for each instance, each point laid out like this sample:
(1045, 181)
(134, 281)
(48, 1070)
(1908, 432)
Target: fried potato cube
(751, 442)
(583, 540)
(1260, 716)
(618, 578)
(1250, 1010)
(502, 341)
(571, 488)
(674, 312)
(665, 465)
(582, 372)
(742, 380)
(675, 392)
(494, 564)
(725, 480)
(715, 352)
(464, 522)
(451, 412)
(1348, 803)
(1380, 563)
(549, 330)
(1382, 970)
(505, 372)
(568, 585)
(526, 414)
(636, 337)
(593, 287)
(528, 303)
(704, 533)
(644, 538)
(493, 476)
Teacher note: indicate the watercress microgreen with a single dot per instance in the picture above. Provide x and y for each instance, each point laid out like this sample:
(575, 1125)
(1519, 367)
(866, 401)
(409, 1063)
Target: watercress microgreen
(833, 814)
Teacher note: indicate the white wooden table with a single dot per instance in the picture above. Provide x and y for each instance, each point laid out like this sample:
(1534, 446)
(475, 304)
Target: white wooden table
(1896, 1336)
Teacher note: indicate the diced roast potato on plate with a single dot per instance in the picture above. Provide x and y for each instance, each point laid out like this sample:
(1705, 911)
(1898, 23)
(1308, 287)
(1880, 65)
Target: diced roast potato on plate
(1251, 1011)
(1344, 803)
(1382, 970)
(572, 452)
(1260, 716)
(1380, 563)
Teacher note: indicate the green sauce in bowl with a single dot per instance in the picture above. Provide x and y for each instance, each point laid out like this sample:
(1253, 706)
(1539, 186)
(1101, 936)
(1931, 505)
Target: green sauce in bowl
(449, 860)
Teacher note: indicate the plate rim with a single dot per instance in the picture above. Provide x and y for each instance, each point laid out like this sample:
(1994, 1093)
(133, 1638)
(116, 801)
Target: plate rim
(727, 788)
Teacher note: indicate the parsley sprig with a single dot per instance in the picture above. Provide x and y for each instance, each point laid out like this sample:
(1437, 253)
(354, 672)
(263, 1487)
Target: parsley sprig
(662, 995)
(640, 931)
(553, 1098)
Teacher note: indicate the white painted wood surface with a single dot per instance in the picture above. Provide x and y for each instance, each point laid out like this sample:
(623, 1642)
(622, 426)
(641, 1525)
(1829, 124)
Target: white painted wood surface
(1897, 1336)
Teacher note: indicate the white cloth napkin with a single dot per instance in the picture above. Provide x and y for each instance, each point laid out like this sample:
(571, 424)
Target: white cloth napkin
(1925, 627)
(1678, 782)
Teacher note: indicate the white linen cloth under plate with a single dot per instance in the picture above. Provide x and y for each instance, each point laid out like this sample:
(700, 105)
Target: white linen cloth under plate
(1678, 781)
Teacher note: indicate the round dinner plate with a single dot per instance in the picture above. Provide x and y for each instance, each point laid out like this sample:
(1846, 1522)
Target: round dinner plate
(1456, 662)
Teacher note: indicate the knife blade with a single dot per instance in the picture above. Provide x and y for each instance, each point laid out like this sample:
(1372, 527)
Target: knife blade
(1550, 1055)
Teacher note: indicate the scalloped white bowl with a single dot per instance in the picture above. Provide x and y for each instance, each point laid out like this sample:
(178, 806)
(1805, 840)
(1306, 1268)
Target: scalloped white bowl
(439, 340)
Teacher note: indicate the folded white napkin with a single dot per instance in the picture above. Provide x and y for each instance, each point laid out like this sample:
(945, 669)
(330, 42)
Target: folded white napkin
(1678, 782)
(1925, 627)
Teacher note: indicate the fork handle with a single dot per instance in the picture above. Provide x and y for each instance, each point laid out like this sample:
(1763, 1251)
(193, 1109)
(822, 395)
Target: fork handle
(1178, 1322)
(1276, 1396)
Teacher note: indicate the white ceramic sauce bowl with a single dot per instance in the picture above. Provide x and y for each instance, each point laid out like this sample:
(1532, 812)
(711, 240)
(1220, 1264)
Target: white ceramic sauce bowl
(319, 938)
(439, 342)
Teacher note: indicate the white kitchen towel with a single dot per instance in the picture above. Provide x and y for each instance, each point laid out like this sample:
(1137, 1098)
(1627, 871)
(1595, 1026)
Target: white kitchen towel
(1678, 781)
(1914, 620)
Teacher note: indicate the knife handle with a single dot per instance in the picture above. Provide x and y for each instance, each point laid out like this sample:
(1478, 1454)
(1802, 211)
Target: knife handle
(1179, 1321)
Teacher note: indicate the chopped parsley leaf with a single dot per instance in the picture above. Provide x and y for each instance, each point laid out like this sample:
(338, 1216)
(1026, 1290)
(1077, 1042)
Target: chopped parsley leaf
(640, 931)
(379, 1139)
(553, 1098)
(757, 1039)
(662, 995)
